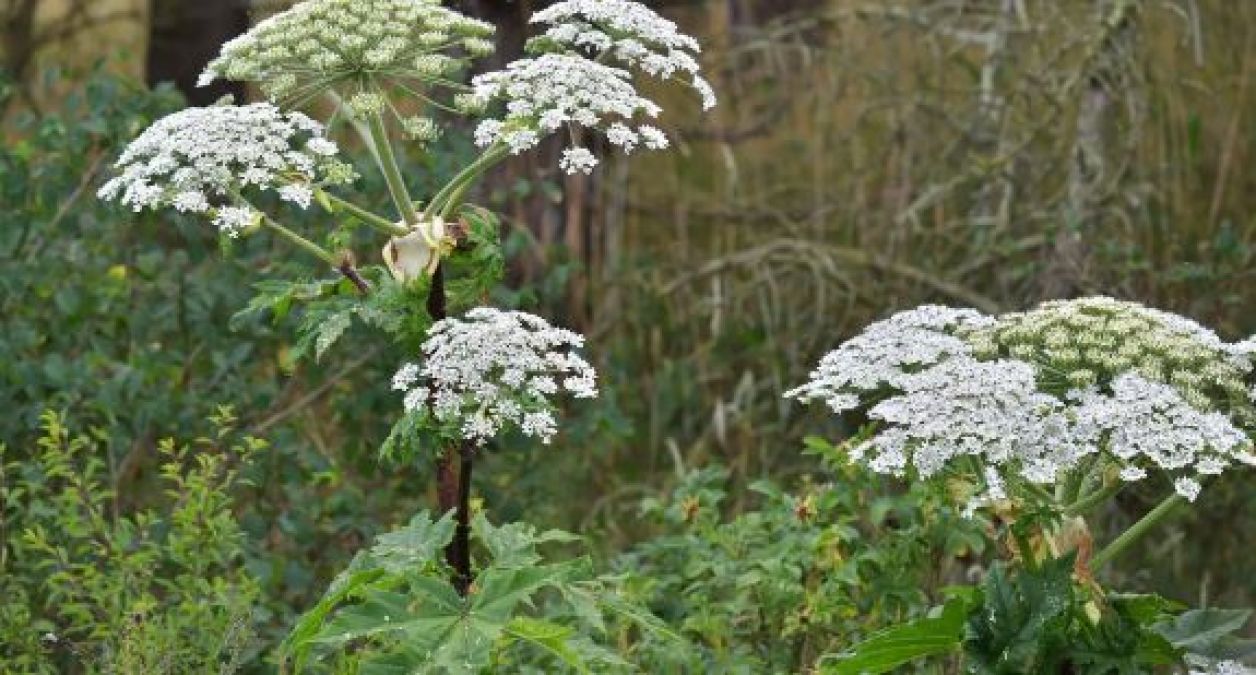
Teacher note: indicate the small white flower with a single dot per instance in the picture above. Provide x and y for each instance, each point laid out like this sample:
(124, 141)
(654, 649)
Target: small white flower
(298, 194)
(887, 354)
(620, 135)
(322, 146)
(232, 220)
(192, 201)
(415, 399)
(1131, 474)
(1149, 424)
(405, 377)
(988, 410)
(521, 140)
(652, 137)
(578, 160)
(1187, 487)
(1200, 665)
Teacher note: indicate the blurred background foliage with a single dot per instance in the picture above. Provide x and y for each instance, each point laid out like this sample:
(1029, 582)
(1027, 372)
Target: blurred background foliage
(865, 157)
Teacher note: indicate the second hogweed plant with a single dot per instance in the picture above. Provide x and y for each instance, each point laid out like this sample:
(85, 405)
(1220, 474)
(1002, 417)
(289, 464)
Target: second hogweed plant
(452, 592)
(1028, 422)
(1033, 420)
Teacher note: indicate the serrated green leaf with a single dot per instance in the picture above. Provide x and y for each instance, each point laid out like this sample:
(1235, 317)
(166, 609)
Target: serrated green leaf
(1200, 630)
(402, 661)
(889, 649)
(415, 545)
(329, 331)
(296, 645)
(382, 612)
(1022, 618)
(501, 590)
(514, 544)
(637, 614)
(549, 637)
(1144, 608)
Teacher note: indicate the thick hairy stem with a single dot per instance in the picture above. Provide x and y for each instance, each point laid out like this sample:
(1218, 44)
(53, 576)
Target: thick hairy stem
(392, 172)
(461, 545)
(1136, 531)
(447, 495)
(453, 485)
(446, 482)
(436, 296)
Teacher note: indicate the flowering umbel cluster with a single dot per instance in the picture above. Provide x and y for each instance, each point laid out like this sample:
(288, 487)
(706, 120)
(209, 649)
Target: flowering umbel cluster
(1034, 396)
(627, 33)
(580, 76)
(493, 370)
(546, 93)
(203, 160)
(1085, 341)
(355, 46)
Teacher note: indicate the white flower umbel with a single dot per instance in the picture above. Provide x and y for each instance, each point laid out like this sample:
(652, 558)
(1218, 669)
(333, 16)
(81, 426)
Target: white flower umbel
(551, 91)
(493, 370)
(1149, 425)
(320, 44)
(199, 160)
(887, 355)
(1026, 396)
(627, 33)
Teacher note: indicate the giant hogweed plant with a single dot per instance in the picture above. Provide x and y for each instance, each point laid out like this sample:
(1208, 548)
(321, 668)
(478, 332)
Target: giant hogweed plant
(1034, 420)
(423, 599)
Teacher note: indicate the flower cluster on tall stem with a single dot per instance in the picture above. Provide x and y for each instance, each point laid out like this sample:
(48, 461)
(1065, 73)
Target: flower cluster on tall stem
(395, 68)
(209, 161)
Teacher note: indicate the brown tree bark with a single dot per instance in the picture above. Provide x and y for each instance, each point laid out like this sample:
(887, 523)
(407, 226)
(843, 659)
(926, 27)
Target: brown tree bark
(184, 36)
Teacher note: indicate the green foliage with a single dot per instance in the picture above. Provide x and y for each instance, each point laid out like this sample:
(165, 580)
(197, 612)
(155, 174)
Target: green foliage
(1042, 621)
(771, 588)
(395, 610)
(89, 588)
(98, 317)
(328, 307)
(477, 267)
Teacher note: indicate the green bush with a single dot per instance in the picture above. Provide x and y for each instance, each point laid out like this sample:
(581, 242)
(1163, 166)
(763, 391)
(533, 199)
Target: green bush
(771, 588)
(90, 586)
